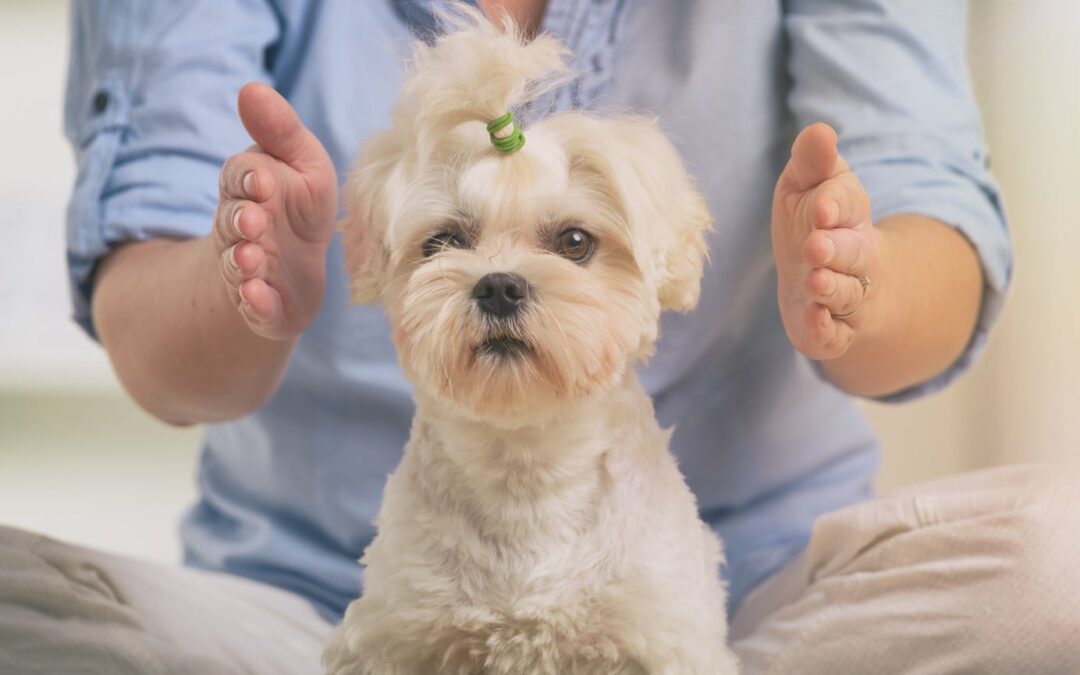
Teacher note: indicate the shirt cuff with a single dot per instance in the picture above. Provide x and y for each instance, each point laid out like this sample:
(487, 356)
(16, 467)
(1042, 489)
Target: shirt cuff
(163, 196)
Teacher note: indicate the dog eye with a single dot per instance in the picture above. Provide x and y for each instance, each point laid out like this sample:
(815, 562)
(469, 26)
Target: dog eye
(441, 241)
(575, 245)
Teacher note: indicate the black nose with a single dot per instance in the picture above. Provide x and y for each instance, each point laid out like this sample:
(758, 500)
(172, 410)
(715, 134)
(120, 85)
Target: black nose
(500, 294)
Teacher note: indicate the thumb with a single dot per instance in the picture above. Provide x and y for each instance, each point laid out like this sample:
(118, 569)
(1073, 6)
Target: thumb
(275, 127)
(814, 158)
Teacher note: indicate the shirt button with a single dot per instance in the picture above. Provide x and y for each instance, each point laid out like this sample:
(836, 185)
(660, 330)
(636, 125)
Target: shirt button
(101, 102)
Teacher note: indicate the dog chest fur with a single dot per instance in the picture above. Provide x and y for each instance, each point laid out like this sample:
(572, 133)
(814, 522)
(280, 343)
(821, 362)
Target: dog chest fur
(541, 551)
(537, 523)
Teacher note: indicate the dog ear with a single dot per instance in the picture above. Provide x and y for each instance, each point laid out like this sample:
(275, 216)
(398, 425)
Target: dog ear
(673, 215)
(366, 257)
(367, 214)
(683, 261)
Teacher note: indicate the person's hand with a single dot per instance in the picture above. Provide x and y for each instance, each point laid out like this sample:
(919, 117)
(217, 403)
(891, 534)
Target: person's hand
(278, 203)
(823, 241)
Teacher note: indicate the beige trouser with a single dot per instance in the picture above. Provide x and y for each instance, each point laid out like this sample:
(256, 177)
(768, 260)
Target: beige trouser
(976, 574)
(67, 610)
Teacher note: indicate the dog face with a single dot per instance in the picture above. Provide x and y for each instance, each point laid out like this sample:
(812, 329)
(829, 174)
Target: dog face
(517, 283)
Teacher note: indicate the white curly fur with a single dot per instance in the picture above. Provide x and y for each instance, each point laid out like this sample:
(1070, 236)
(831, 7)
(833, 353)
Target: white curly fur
(537, 523)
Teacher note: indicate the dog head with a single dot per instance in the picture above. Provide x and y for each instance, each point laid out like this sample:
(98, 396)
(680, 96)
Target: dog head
(517, 283)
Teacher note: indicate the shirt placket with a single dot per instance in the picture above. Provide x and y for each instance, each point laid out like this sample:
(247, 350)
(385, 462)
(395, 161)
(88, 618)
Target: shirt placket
(590, 29)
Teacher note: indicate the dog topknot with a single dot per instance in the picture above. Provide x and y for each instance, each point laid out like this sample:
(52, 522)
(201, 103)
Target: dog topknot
(474, 71)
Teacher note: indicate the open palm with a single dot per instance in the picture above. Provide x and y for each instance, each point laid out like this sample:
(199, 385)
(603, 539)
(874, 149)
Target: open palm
(278, 201)
(825, 246)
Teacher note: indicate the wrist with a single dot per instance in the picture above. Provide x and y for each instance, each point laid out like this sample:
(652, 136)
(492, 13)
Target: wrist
(175, 340)
(871, 322)
(871, 325)
(927, 286)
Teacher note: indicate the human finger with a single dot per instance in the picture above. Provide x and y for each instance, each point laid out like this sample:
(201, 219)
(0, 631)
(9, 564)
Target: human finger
(839, 293)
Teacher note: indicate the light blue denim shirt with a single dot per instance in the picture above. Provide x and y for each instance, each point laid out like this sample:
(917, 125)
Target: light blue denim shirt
(288, 492)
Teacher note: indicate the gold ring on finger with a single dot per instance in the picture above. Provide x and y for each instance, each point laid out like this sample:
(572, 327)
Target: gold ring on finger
(864, 281)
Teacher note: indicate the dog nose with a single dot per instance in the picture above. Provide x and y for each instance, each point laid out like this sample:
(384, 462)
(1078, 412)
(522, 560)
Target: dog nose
(500, 294)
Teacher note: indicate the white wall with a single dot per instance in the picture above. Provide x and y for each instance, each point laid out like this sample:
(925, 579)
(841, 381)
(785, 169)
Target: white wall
(80, 461)
(39, 345)
(1023, 401)
(77, 459)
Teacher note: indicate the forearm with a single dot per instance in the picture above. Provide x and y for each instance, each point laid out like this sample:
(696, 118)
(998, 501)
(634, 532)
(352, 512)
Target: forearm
(176, 342)
(921, 312)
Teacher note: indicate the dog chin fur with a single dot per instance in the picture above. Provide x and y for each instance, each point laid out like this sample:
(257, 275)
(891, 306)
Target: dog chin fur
(537, 523)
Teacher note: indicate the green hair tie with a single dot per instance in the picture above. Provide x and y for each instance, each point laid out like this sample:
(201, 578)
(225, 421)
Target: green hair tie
(505, 140)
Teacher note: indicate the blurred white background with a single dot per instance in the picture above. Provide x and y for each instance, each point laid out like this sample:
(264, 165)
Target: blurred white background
(80, 461)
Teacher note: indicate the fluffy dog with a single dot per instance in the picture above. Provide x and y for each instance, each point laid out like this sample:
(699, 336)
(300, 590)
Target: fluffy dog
(537, 523)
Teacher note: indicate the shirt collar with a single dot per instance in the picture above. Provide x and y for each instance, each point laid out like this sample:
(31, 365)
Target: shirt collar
(587, 27)
(419, 15)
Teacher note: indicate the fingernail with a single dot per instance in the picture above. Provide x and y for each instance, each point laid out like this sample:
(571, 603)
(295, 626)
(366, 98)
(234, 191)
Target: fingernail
(249, 184)
(834, 213)
(230, 258)
(236, 222)
(830, 250)
(240, 290)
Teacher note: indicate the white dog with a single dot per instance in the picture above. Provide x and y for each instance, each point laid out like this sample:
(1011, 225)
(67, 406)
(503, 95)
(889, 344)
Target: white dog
(537, 523)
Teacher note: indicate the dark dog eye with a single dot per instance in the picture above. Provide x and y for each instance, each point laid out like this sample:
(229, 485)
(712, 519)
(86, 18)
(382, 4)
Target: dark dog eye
(575, 245)
(441, 241)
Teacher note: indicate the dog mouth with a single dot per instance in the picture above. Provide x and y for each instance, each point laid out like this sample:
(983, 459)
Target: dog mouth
(503, 346)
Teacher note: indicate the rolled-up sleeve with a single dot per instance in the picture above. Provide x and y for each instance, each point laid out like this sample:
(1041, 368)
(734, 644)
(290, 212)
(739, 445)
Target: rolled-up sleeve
(151, 113)
(891, 78)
